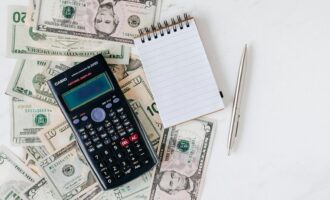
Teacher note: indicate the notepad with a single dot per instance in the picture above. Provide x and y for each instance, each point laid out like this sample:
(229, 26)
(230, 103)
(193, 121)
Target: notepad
(178, 71)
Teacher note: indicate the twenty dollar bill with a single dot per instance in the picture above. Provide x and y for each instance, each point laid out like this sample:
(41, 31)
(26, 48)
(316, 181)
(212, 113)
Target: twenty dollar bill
(183, 152)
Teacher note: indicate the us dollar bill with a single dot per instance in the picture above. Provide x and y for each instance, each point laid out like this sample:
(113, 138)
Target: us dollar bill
(122, 71)
(110, 20)
(184, 151)
(138, 189)
(36, 153)
(28, 118)
(56, 137)
(30, 12)
(29, 80)
(33, 155)
(68, 173)
(40, 190)
(12, 194)
(25, 43)
(135, 88)
(13, 173)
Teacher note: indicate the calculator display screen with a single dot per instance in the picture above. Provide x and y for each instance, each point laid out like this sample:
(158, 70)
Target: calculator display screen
(87, 91)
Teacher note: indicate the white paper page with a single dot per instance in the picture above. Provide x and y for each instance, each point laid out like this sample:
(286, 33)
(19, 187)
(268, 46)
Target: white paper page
(179, 75)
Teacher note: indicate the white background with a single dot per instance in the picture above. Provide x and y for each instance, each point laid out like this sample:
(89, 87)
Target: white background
(284, 147)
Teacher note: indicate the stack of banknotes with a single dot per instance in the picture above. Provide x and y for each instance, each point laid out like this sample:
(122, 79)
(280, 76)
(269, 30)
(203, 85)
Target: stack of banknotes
(48, 37)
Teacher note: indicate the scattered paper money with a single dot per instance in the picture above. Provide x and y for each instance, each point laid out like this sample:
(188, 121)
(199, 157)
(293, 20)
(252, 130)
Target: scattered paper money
(11, 194)
(28, 80)
(13, 173)
(183, 152)
(40, 190)
(68, 173)
(122, 71)
(25, 43)
(33, 155)
(135, 88)
(111, 20)
(56, 137)
(28, 118)
(137, 189)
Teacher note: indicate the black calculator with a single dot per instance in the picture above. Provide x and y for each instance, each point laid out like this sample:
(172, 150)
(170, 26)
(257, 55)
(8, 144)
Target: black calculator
(106, 129)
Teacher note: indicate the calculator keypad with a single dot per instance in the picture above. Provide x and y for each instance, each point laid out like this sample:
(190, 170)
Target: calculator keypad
(112, 141)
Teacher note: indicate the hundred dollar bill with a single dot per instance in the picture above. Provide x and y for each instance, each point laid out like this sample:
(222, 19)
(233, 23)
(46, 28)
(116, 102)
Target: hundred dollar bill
(134, 190)
(28, 118)
(135, 88)
(183, 153)
(28, 80)
(25, 43)
(68, 173)
(56, 137)
(40, 190)
(111, 20)
(13, 173)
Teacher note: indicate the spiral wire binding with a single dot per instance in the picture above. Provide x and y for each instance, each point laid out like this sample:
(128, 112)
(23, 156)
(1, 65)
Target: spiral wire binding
(152, 32)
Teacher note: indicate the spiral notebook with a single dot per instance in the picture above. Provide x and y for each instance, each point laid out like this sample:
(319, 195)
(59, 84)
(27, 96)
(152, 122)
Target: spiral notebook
(178, 71)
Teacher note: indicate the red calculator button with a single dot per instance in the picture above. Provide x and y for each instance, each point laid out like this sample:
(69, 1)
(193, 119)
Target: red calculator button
(134, 137)
(124, 142)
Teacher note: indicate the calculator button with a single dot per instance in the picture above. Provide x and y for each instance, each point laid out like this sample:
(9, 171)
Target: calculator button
(112, 114)
(88, 143)
(119, 127)
(105, 173)
(128, 171)
(76, 121)
(123, 116)
(84, 118)
(107, 141)
(107, 125)
(98, 114)
(124, 143)
(127, 123)
(114, 168)
(91, 149)
(101, 165)
(108, 105)
(122, 133)
(130, 129)
(111, 131)
(115, 121)
(96, 139)
(119, 155)
(97, 157)
(111, 160)
(99, 145)
(138, 166)
(115, 147)
(115, 137)
(119, 110)
(103, 135)
(89, 126)
(84, 136)
(109, 180)
(81, 130)
(116, 100)
(92, 132)
(119, 176)
(106, 152)
(137, 145)
(146, 161)
(100, 128)
(134, 137)
(129, 150)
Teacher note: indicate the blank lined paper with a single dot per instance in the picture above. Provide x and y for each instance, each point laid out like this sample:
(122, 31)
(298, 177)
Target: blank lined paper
(179, 75)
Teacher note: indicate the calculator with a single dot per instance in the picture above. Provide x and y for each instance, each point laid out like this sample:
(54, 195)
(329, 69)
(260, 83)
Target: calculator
(107, 131)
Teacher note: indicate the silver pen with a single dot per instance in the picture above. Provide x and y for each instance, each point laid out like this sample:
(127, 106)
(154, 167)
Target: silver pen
(236, 104)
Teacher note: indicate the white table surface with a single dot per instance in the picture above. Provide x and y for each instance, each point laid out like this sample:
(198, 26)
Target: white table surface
(284, 150)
